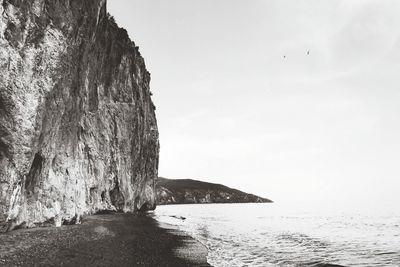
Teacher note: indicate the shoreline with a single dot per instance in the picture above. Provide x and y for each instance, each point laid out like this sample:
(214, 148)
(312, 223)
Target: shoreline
(102, 240)
(213, 203)
(192, 249)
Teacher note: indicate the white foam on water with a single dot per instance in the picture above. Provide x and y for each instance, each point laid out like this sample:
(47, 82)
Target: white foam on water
(272, 235)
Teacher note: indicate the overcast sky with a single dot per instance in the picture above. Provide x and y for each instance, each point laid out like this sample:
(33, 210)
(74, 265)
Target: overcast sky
(240, 102)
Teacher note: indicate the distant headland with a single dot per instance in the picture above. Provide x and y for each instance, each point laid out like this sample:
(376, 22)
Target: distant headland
(188, 191)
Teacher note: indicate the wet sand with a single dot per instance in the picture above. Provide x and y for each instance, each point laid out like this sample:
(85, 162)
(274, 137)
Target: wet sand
(102, 240)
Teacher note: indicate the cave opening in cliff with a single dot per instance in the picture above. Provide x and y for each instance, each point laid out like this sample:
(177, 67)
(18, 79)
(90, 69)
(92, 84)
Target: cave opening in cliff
(34, 171)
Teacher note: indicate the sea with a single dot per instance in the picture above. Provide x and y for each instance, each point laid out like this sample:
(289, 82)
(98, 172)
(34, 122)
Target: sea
(268, 234)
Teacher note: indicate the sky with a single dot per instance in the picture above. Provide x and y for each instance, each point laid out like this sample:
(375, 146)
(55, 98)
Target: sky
(241, 102)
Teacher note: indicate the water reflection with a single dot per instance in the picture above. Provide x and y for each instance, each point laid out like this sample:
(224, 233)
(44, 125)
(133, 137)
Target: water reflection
(266, 235)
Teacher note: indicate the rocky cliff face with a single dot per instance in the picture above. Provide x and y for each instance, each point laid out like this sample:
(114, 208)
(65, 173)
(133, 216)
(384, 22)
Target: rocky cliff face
(78, 132)
(188, 191)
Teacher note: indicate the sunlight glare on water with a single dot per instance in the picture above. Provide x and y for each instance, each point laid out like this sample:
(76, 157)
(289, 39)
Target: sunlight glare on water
(272, 235)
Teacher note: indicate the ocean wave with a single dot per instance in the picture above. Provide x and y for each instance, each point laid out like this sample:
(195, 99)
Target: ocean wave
(264, 237)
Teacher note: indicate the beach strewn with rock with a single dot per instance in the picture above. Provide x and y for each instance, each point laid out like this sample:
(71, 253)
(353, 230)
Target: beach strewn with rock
(78, 131)
(102, 240)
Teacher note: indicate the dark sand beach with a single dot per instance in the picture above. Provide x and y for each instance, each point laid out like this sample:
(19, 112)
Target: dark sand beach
(102, 240)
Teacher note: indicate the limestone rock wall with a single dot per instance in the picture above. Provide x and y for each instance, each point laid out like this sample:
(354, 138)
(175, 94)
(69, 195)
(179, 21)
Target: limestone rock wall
(78, 132)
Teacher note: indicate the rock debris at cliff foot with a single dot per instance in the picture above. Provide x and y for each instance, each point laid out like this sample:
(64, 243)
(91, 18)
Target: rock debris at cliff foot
(78, 131)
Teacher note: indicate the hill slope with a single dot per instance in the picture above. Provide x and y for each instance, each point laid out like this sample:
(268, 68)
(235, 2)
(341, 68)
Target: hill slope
(187, 191)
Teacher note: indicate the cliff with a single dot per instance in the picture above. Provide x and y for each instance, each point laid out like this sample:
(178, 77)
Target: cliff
(78, 132)
(187, 191)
